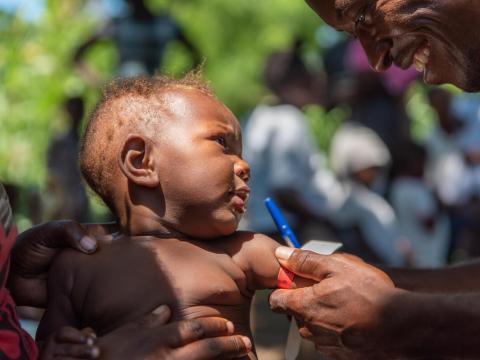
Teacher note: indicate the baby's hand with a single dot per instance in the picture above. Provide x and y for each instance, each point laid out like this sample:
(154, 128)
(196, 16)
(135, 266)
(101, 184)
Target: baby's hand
(69, 343)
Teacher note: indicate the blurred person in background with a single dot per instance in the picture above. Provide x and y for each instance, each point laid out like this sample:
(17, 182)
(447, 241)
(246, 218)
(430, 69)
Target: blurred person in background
(278, 145)
(280, 149)
(374, 100)
(369, 225)
(420, 218)
(445, 168)
(453, 167)
(140, 37)
(467, 245)
(66, 197)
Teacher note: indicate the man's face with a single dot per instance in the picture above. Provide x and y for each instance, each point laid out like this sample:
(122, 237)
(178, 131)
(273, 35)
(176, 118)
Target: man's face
(203, 177)
(440, 37)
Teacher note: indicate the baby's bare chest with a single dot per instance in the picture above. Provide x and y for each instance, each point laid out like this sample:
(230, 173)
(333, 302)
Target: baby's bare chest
(129, 282)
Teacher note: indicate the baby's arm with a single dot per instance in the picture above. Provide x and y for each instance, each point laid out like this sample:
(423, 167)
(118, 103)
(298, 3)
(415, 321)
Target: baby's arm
(60, 311)
(256, 257)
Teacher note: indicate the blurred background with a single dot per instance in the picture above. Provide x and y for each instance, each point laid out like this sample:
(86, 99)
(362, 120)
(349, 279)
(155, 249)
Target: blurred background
(380, 162)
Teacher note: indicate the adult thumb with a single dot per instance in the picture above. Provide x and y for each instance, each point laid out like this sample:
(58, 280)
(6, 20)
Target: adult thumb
(306, 264)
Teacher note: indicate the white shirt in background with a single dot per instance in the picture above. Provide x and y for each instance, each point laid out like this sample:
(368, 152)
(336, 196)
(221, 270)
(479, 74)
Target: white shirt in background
(413, 201)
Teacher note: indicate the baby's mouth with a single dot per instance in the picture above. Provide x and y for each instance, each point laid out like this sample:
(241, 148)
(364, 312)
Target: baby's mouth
(239, 198)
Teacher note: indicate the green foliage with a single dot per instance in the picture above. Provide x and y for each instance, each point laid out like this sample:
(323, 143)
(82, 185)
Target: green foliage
(37, 73)
(323, 124)
(234, 38)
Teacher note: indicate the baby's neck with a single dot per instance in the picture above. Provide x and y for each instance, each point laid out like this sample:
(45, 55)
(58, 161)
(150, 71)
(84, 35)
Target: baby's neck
(140, 221)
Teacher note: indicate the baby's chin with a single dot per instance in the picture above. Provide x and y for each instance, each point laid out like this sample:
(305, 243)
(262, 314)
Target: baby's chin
(219, 224)
(223, 228)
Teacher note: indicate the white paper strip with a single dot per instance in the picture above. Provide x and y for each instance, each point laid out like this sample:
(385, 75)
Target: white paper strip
(294, 339)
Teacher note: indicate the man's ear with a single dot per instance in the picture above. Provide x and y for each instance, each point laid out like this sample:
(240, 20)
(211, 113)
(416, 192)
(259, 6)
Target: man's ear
(137, 162)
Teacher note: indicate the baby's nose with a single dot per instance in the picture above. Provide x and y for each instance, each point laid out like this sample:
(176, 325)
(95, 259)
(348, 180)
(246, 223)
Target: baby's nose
(242, 169)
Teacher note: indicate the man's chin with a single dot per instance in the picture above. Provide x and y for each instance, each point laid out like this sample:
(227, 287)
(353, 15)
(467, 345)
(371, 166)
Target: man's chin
(467, 83)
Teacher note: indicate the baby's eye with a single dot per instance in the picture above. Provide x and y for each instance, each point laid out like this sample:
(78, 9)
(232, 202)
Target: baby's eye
(221, 140)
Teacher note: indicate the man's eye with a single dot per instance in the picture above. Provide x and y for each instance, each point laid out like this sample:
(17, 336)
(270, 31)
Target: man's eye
(359, 20)
(221, 140)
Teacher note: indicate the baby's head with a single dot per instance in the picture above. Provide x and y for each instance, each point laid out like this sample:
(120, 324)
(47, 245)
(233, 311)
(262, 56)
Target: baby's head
(165, 156)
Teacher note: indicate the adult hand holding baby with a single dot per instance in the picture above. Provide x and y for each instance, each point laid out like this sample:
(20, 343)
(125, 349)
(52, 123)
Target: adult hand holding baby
(152, 338)
(33, 253)
(324, 311)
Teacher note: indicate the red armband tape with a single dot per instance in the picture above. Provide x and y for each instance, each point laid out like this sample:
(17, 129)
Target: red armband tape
(285, 278)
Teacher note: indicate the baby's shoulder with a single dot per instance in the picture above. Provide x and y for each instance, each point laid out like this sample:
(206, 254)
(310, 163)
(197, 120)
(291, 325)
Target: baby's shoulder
(255, 254)
(248, 239)
(247, 244)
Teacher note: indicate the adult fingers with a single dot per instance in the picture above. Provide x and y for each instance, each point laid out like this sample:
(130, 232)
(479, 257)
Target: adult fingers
(76, 236)
(36, 245)
(90, 334)
(76, 351)
(225, 347)
(305, 263)
(158, 317)
(188, 331)
(68, 334)
(296, 302)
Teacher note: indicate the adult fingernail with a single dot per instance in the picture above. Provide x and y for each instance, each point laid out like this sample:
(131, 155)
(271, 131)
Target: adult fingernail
(283, 252)
(160, 310)
(88, 244)
(247, 342)
(95, 352)
(230, 327)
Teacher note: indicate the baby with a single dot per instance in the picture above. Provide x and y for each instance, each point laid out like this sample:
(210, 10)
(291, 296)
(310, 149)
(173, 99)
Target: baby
(166, 156)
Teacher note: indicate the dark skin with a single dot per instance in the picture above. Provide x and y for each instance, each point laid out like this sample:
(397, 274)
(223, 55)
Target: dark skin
(382, 321)
(432, 35)
(354, 311)
(179, 197)
(141, 338)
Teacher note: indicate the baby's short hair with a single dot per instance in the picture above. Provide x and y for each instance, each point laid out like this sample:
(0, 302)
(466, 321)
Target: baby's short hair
(128, 105)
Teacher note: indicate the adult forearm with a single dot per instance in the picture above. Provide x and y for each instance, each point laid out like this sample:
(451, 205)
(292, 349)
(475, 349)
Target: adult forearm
(461, 278)
(433, 325)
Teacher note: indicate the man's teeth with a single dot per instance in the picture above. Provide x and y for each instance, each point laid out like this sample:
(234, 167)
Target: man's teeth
(421, 58)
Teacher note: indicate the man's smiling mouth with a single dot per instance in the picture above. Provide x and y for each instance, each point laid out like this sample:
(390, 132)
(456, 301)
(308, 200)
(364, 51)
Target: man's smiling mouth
(421, 58)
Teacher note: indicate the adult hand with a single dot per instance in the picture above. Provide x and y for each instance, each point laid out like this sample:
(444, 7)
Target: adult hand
(344, 309)
(33, 253)
(151, 338)
(68, 343)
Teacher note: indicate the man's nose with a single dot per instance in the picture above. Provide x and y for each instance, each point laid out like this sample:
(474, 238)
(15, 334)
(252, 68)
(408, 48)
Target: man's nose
(377, 50)
(242, 169)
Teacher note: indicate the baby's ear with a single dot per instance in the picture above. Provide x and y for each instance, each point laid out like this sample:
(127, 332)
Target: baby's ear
(137, 161)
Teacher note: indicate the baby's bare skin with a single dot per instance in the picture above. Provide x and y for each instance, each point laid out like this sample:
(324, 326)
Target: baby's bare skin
(195, 278)
(167, 159)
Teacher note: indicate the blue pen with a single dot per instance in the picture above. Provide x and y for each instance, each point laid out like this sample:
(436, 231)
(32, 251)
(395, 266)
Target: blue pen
(281, 223)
